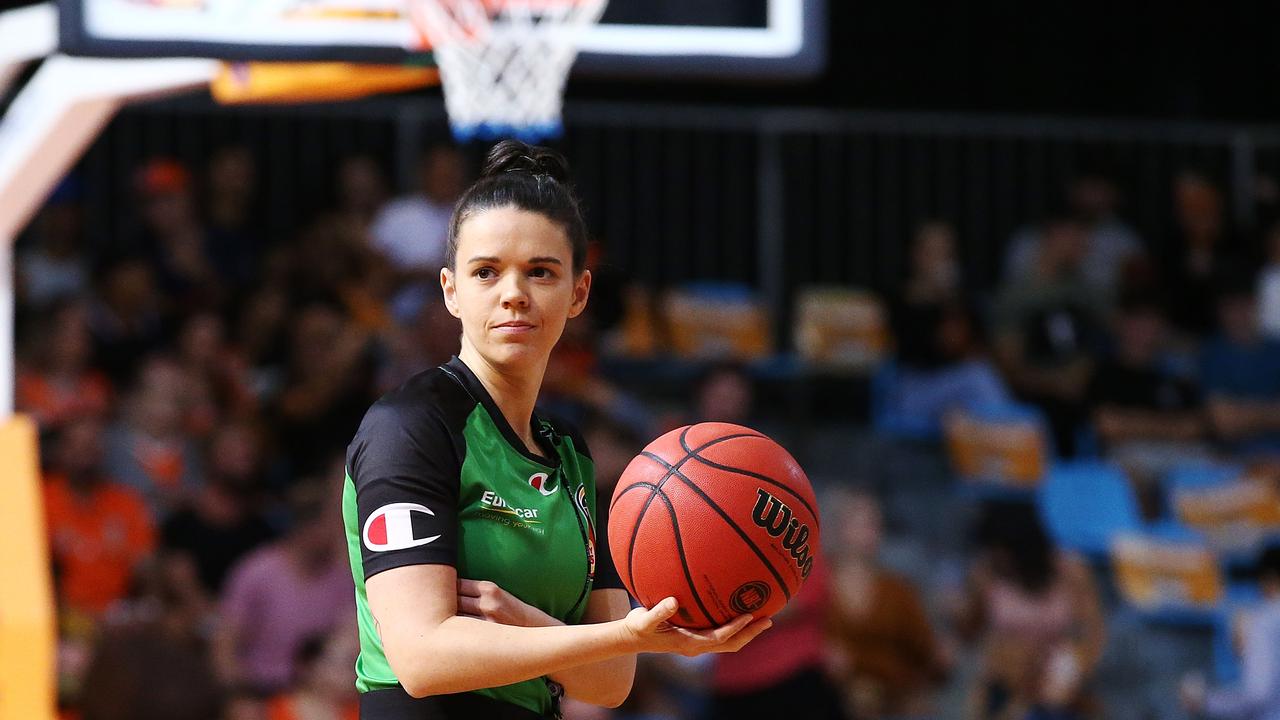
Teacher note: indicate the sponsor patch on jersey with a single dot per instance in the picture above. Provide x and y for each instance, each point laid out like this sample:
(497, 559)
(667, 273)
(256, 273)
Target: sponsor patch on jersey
(398, 526)
(539, 482)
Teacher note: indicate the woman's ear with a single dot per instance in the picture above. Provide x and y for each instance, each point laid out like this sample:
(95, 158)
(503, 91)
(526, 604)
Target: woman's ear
(449, 289)
(581, 291)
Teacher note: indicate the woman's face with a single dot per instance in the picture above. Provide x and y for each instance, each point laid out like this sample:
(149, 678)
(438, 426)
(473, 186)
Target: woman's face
(513, 285)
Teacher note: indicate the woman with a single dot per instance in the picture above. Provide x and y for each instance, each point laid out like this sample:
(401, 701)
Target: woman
(1039, 619)
(481, 586)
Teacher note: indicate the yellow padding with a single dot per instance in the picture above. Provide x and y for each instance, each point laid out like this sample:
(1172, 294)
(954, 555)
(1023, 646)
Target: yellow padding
(27, 633)
(281, 82)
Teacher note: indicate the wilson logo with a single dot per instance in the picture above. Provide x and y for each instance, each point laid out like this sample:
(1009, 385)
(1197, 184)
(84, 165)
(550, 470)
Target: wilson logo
(776, 518)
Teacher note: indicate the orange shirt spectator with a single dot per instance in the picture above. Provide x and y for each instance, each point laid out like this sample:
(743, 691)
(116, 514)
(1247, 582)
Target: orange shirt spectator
(52, 401)
(291, 707)
(98, 535)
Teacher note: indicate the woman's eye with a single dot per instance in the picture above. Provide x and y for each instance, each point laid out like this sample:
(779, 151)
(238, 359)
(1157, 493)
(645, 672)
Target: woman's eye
(484, 273)
(540, 273)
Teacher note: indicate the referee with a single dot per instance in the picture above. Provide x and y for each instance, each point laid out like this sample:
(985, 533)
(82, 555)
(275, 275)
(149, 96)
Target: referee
(484, 586)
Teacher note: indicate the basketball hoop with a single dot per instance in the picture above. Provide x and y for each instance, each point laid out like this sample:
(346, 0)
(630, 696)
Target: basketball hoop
(504, 63)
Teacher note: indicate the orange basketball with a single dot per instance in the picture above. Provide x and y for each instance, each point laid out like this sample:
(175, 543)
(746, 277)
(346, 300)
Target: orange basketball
(718, 516)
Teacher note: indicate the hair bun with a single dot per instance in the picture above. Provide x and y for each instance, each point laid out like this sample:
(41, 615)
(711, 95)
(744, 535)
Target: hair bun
(513, 156)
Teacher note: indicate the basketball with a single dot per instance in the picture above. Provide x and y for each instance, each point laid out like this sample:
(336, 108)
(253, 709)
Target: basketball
(718, 516)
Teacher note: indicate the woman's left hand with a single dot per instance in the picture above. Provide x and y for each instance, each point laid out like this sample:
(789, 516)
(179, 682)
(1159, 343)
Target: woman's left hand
(484, 600)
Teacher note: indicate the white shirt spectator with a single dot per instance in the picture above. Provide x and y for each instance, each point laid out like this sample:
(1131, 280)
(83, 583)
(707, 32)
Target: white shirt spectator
(412, 232)
(1257, 697)
(1111, 243)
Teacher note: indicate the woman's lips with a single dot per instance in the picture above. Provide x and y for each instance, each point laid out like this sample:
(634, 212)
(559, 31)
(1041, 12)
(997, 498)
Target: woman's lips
(514, 328)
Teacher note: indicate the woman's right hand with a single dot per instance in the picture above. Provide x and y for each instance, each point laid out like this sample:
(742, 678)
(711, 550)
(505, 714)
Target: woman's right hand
(650, 630)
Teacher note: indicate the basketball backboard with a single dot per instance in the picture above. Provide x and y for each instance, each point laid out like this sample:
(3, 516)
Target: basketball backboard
(659, 38)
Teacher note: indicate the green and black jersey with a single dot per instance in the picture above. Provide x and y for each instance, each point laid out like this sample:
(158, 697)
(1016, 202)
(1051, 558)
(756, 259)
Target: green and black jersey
(436, 475)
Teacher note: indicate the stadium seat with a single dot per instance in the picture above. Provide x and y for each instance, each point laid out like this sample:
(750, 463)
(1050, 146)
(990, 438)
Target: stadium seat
(838, 328)
(1168, 574)
(885, 416)
(716, 321)
(1085, 504)
(998, 450)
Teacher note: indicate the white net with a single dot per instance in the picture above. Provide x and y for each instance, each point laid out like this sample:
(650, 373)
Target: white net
(504, 63)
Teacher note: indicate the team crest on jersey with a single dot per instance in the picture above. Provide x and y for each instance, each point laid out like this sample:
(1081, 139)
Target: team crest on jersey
(539, 482)
(398, 526)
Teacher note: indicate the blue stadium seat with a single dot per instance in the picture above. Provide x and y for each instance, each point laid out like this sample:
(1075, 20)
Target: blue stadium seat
(1085, 503)
(885, 418)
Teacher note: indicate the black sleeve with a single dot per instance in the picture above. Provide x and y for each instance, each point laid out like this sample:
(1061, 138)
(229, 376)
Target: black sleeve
(406, 471)
(606, 573)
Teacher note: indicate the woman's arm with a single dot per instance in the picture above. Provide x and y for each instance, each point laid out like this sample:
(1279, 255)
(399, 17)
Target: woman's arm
(433, 650)
(605, 683)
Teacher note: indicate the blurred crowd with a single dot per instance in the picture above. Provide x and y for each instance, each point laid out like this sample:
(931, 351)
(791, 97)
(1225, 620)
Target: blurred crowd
(196, 381)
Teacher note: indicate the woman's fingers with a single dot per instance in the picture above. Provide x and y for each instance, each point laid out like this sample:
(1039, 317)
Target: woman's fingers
(469, 606)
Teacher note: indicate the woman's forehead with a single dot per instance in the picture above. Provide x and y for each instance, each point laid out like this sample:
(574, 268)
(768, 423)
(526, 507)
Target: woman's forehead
(510, 233)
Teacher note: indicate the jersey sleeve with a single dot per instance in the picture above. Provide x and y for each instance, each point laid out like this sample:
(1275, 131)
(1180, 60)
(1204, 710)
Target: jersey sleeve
(406, 470)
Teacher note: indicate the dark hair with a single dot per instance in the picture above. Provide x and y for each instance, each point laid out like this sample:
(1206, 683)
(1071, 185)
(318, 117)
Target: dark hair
(1013, 531)
(1269, 563)
(530, 178)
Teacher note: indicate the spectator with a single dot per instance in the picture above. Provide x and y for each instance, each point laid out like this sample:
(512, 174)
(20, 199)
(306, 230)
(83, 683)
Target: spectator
(1257, 697)
(411, 231)
(149, 449)
(211, 363)
(125, 320)
(56, 385)
(1198, 253)
(55, 266)
(939, 348)
(233, 240)
(99, 532)
(1109, 242)
(1147, 418)
(174, 239)
(763, 679)
(222, 523)
(1269, 285)
(1047, 331)
(1241, 373)
(323, 690)
(327, 389)
(426, 339)
(275, 598)
(1038, 618)
(888, 656)
(361, 189)
(152, 661)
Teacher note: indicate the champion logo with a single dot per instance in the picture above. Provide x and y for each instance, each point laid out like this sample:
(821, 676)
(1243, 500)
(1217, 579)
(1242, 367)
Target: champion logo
(398, 526)
(538, 481)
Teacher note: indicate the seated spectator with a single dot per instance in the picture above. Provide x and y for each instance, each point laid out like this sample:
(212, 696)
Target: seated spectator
(1047, 331)
(1110, 242)
(889, 659)
(211, 362)
(99, 531)
(149, 448)
(280, 595)
(1257, 696)
(411, 231)
(939, 349)
(1037, 617)
(222, 522)
(323, 690)
(763, 679)
(55, 384)
(54, 265)
(361, 190)
(1269, 285)
(327, 388)
(125, 318)
(1200, 250)
(233, 240)
(174, 238)
(152, 661)
(1147, 419)
(1241, 374)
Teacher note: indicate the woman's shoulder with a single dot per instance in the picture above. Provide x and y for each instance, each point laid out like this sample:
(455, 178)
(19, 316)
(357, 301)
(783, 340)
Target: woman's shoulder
(429, 397)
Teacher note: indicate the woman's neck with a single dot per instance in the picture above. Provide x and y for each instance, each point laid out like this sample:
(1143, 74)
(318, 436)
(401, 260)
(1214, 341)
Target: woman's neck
(515, 393)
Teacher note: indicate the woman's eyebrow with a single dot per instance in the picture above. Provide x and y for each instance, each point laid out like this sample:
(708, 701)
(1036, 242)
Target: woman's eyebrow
(483, 258)
(547, 260)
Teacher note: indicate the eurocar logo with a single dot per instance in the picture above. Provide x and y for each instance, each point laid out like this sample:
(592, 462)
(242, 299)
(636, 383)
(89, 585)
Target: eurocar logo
(398, 526)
